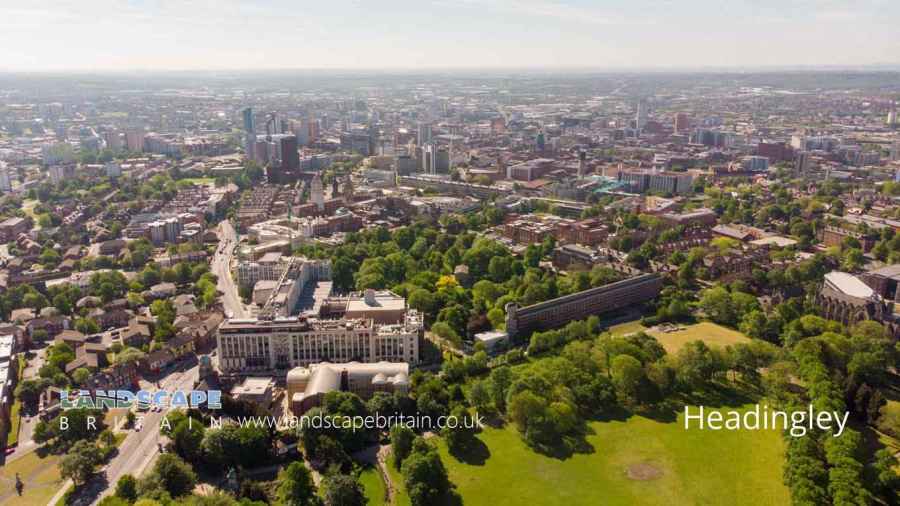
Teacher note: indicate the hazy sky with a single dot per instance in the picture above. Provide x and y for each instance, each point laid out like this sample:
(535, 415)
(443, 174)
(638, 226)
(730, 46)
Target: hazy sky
(278, 34)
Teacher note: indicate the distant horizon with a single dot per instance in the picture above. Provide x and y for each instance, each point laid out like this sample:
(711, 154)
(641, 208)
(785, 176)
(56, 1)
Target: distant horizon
(537, 69)
(223, 35)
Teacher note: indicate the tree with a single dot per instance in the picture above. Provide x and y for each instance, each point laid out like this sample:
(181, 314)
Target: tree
(423, 300)
(296, 486)
(401, 443)
(845, 483)
(126, 488)
(187, 437)
(174, 475)
(499, 382)
(461, 436)
(81, 375)
(79, 463)
(500, 268)
(129, 356)
(29, 390)
(754, 324)
(696, 364)
(853, 259)
(343, 490)
(479, 395)
(887, 479)
(424, 475)
(716, 303)
(532, 255)
(525, 407)
(87, 326)
(627, 375)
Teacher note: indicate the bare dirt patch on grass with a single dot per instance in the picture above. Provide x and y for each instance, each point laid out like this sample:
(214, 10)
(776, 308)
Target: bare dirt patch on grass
(643, 471)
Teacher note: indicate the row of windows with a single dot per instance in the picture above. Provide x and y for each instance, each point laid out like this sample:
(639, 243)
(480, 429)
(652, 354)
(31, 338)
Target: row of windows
(310, 348)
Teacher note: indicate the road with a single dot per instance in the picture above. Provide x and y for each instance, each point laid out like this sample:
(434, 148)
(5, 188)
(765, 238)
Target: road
(141, 446)
(28, 422)
(221, 267)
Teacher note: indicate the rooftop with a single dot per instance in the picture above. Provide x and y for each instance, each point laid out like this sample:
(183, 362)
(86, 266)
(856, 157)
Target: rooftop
(849, 284)
(252, 386)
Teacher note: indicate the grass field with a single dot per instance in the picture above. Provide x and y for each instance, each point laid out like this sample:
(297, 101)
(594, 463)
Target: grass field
(887, 440)
(15, 421)
(200, 180)
(14, 412)
(636, 461)
(400, 496)
(41, 477)
(623, 329)
(373, 485)
(708, 332)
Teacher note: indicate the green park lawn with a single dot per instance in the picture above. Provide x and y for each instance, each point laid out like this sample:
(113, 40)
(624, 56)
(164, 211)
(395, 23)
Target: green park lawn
(636, 461)
(200, 180)
(708, 332)
(373, 485)
(15, 419)
(41, 477)
(623, 329)
(401, 498)
(887, 440)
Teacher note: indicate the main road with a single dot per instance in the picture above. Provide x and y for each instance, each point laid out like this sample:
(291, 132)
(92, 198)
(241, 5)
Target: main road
(141, 446)
(221, 267)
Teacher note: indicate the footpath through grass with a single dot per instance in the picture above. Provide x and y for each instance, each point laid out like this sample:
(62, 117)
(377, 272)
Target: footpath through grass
(634, 461)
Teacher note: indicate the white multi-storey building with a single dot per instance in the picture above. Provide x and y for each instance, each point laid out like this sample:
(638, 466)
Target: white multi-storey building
(253, 346)
(271, 267)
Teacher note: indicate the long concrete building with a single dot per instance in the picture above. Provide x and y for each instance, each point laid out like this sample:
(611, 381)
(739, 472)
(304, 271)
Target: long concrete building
(577, 306)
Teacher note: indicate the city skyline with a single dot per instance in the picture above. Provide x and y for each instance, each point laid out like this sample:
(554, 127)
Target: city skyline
(103, 35)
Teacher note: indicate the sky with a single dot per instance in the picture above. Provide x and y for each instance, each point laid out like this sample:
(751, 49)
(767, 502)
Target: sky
(109, 35)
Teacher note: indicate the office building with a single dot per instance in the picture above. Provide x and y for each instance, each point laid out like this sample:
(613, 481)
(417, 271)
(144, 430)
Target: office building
(317, 193)
(423, 133)
(711, 138)
(682, 122)
(640, 115)
(250, 144)
(641, 180)
(434, 159)
(134, 141)
(113, 140)
(755, 163)
(5, 180)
